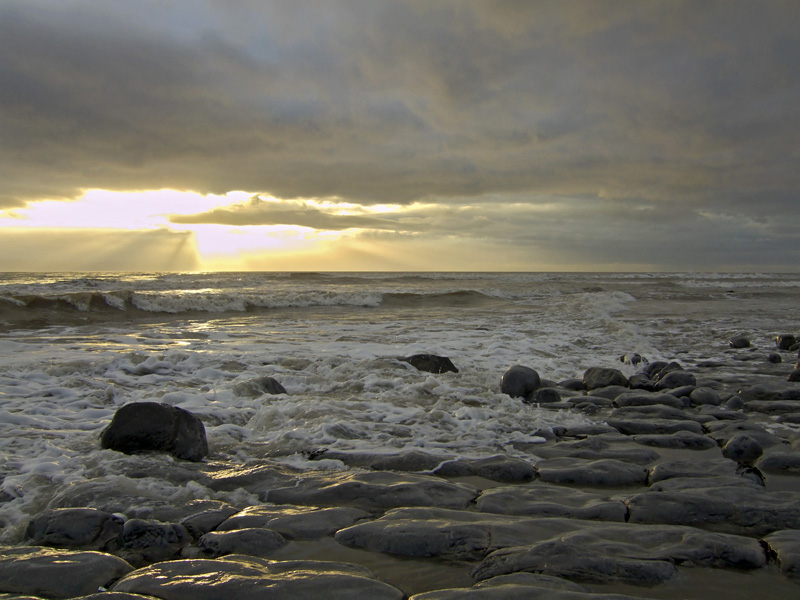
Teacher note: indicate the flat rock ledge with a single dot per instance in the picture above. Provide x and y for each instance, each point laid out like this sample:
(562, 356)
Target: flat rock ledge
(251, 578)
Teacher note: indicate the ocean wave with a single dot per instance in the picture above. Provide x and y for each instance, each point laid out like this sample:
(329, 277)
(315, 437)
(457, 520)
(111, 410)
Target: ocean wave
(82, 305)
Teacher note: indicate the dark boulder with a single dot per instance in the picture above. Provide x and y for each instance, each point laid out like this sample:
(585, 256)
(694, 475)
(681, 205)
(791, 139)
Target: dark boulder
(785, 341)
(675, 379)
(154, 426)
(774, 358)
(794, 376)
(742, 448)
(431, 363)
(520, 382)
(739, 341)
(597, 377)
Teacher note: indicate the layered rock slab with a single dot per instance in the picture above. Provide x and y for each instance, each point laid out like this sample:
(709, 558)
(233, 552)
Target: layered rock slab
(743, 509)
(57, 573)
(551, 501)
(250, 578)
(625, 553)
(375, 491)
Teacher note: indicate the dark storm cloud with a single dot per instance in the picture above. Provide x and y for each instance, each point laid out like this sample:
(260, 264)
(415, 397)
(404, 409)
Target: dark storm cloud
(671, 103)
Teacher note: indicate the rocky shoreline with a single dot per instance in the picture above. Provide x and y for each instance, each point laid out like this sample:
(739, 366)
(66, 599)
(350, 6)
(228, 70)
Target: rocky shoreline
(684, 478)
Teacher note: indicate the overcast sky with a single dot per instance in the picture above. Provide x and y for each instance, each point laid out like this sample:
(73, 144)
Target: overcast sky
(349, 134)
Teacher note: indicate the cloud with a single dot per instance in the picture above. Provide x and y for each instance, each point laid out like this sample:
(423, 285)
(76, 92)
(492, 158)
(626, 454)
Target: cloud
(670, 103)
(257, 211)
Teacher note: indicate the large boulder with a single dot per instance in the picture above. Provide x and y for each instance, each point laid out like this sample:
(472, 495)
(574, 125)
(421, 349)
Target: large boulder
(520, 382)
(156, 427)
(598, 377)
(785, 341)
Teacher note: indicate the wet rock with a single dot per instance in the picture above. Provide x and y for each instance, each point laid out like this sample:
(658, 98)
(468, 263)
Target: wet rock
(596, 447)
(575, 385)
(295, 522)
(250, 541)
(679, 484)
(599, 377)
(648, 399)
(691, 468)
(625, 553)
(207, 520)
(250, 578)
(784, 547)
(703, 396)
(676, 379)
(654, 368)
(410, 461)
(794, 376)
(784, 463)
(654, 426)
(113, 495)
(255, 388)
(452, 534)
(723, 431)
(145, 541)
(680, 440)
(773, 407)
(785, 341)
(256, 479)
(520, 382)
(739, 341)
(57, 573)
(495, 468)
(743, 510)
(546, 396)
(431, 363)
(517, 591)
(640, 381)
(774, 358)
(375, 490)
(734, 403)
(603, 472)
(551, 501)
(608, 392)
(156, 427)
(115, 596)
(659, 412)
(770, 391)
(78, 528)
(633, 359)
(535, 580)
(742, 448)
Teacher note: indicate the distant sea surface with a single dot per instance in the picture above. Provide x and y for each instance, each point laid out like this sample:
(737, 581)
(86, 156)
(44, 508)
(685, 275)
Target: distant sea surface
(73, 348)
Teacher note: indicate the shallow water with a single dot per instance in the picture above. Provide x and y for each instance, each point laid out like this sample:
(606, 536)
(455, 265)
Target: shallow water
(75, 348)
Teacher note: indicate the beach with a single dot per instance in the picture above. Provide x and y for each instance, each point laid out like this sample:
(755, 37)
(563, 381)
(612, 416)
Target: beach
(432, 479)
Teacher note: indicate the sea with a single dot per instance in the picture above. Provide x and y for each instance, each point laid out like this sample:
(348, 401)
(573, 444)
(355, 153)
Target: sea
(76, 347)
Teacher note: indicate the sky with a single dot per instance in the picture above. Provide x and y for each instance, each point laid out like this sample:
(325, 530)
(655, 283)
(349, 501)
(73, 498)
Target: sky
(506, 135)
